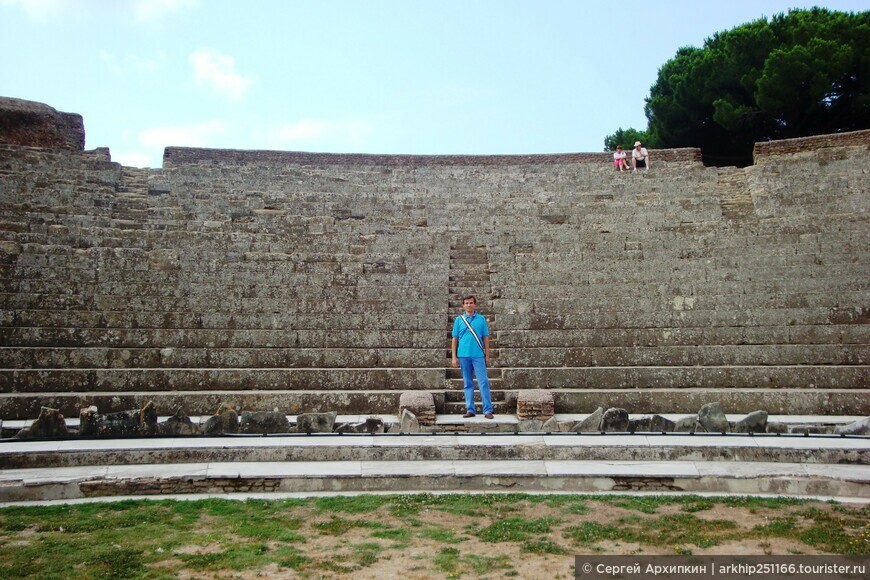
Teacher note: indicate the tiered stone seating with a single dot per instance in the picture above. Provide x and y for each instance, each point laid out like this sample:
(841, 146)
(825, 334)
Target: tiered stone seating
(308, 282)
(171, 290)
(666, 292)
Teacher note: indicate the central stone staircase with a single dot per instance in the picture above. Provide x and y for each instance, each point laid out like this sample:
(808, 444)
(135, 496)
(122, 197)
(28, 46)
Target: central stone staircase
(470, 275)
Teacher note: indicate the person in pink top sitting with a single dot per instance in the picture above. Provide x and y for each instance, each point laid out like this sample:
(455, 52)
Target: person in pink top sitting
(619, 159)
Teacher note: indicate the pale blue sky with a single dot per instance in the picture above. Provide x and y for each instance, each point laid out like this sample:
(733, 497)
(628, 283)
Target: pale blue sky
(375, 76)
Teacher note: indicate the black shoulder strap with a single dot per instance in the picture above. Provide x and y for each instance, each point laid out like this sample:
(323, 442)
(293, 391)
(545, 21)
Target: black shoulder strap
(474, 334)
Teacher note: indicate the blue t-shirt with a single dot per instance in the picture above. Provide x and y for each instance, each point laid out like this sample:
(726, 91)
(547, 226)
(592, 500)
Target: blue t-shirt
(467, 346)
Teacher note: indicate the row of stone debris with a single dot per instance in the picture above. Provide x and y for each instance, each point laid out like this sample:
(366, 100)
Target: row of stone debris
(710, 418)
(144, 422)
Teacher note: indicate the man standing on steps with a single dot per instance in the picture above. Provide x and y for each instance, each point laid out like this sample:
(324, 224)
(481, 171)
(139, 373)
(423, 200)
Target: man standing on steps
(470, 347)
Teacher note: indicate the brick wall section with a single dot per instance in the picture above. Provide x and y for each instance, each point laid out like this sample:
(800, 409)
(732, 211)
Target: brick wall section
(180, 156)
(535, 404)
(802, 144)
(33, 124)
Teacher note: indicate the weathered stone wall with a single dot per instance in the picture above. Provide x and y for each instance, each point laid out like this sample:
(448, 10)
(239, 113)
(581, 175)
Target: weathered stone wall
(37, 125)
(179, 156)
(306, 282)
(769, 149)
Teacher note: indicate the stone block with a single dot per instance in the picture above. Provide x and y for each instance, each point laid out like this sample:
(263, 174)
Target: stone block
(49, 424)
(639, 425)
(178, 424)
(408, 422)
(614, 420)
(421, 404)
(120, 424)
(530, 425)
(686, 424)
(711, 419)
(263, 422)
(371, 425)
(226, 420)
(860, 427)
(777, 428)
(755, 422)
(551, 425)
(591, 424)
(315, 422)
(659, 424)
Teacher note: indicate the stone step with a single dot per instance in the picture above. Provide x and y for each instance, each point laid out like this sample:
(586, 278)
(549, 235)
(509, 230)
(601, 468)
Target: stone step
(203, 357)
(225, 337)
(26, 405)
(769, 447)
(721, 377)
(226, 320)
(469, 261)
(702, 355)
(458, 396)
(498, 407)
(454, 376)
(150, 306)
(202, 402)
(798, 401)
(501, 408)
(847, 334)
(598, 291)
(36, 382)
(633, 336)
(803, 425)
(679, 312)
(714, 476)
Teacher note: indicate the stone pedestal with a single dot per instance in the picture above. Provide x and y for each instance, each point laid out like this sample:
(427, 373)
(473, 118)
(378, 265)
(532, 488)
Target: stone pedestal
(421, 404)
(535, 404)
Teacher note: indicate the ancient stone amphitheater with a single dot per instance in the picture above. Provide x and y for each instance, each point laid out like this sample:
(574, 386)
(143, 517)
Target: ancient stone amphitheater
(304, 282)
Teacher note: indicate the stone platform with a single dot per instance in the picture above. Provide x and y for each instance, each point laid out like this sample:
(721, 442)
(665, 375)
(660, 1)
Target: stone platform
(498, 459)
(830, 466)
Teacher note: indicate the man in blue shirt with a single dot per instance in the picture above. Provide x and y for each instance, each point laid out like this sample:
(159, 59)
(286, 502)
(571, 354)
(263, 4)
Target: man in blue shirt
(470, 347)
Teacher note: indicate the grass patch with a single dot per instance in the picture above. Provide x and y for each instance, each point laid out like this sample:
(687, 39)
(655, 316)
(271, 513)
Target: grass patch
(359, 504)
(669, 530)
(570, 504)
(453, 564)
(515, 529)
(837, 531)
(543, 546)
(751, 502)
(441, 535)
(342, 535)
(645, 504)
(447, 561)
(702, 504)
(588, 533)
(683, 528)
(339, 526)
(275, 529)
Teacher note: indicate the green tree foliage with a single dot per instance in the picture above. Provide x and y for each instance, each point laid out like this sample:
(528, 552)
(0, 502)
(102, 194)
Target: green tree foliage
(802, 73)
(626, 139)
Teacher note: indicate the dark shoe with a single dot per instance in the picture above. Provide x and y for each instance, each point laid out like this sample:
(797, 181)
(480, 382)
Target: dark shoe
(468, 416)
(488, 415)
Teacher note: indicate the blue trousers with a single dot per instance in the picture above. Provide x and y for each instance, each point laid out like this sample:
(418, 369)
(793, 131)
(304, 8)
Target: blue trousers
(475, 367)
